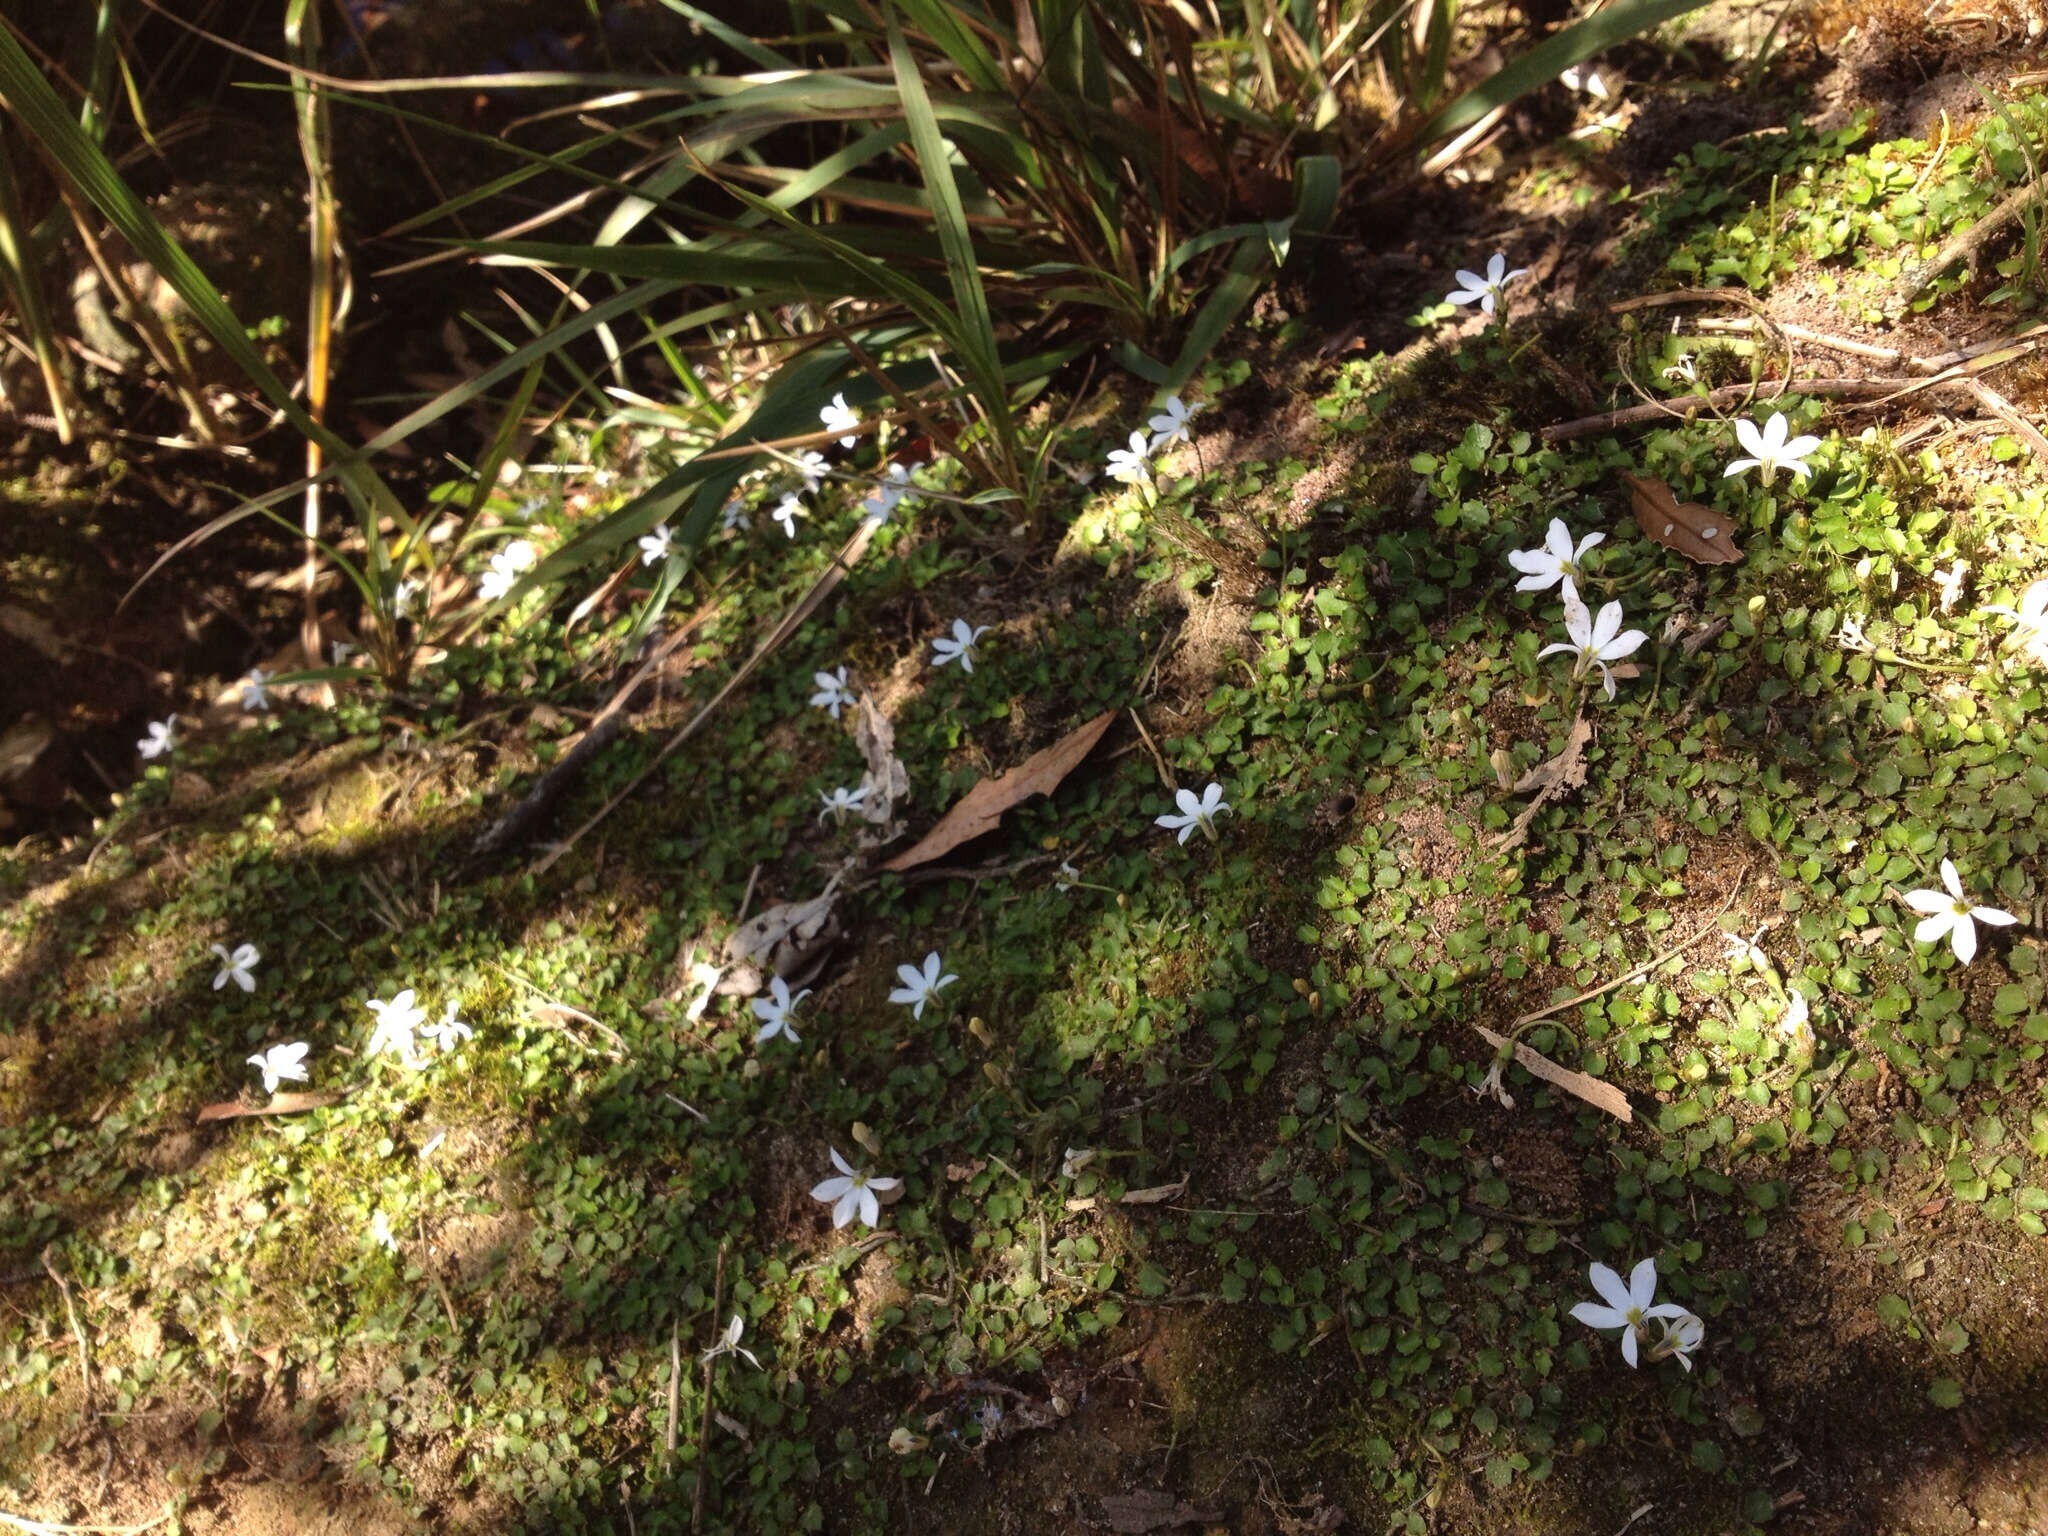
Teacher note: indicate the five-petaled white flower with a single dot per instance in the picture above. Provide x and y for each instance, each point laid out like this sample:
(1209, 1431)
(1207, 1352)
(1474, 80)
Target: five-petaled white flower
(281, 1063)
(840, 801)
(1556, 561)
(729, 1344)
(1487, 291)
(380, 1231)
(734, 516)
(661, 543)
(397, 1022)
(853, 1194)
(1068, 875)
(506, 567)
(236, 967)
(920, 986)
(1796, 1022)
(959, 646)
(895, 488)
(158, 741)
(1194, 812)
(810, 464)
(1679, 1337)
(774, 1011)
(405, 597)
(1748, 949)
(1129, 464)
(832, 694)
(1595, 642)
(840, 417)
(448, 1031)
(1628, 1306)
(2029, 621)
(1170, 426)
(787, 511)
(254, 694)
(1951, 915)
(1768, 450)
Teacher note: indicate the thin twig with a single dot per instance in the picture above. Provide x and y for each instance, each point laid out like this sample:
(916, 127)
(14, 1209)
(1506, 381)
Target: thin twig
(1877, 390)
(77, 1332)
(56, 1528)
(848, 556)
(1712, 926)
(675, 1381)
(1159, 762)
(1968, 241)
(704, 1422)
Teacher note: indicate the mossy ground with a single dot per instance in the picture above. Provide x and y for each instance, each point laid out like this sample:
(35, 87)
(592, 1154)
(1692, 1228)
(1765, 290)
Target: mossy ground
(1347, 1287)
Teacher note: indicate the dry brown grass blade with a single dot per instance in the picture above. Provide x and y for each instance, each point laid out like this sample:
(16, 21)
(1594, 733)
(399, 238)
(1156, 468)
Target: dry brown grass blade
(982, 807)
(1698, 532)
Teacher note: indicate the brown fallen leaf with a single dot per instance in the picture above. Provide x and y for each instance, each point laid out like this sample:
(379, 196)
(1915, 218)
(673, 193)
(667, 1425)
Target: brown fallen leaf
(1697, 532)
(982, 807)
(1600, 1095)
(280, 1104)
(1549, 779)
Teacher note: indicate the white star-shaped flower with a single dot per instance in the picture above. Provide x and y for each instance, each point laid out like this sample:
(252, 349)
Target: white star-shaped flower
(507, 565)
(775, 1011)
(704, 976)
(1488, 291)
(1949, 914)
(810, 464)
(158, 741)
(1628, 1306)
(734, 516)
(281, 1063)
(1067, 876)
(840, 801)
(920, 986)
(397, 1023)
(1555, 561)
(661, 543)
(787, 511)
(1170, 426)
(2029, 621)
(1194, 812)
(236, 967)
(1595, 642)
(894, 489)
(853, 1194)
(448, 1031)
(1130, 464)
(254, 695)
(959, 646)
(1769, 451)
(833, 694)
(381, 1233)
(729, 1344)
(840, 417)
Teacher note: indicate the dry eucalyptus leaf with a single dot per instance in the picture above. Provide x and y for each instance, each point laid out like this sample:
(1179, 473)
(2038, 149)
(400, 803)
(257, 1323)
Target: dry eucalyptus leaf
(1697, 532)
(1155, 1194)
(279, 1104)
(982, 807)
(782, 941)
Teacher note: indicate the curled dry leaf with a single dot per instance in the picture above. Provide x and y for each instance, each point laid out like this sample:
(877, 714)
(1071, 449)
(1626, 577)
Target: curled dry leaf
(982, 807)
(1697, 532)
(788, 940)
(886, 781)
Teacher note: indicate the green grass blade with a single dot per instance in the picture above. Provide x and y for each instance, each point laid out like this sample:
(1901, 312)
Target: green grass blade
(1550, 58)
